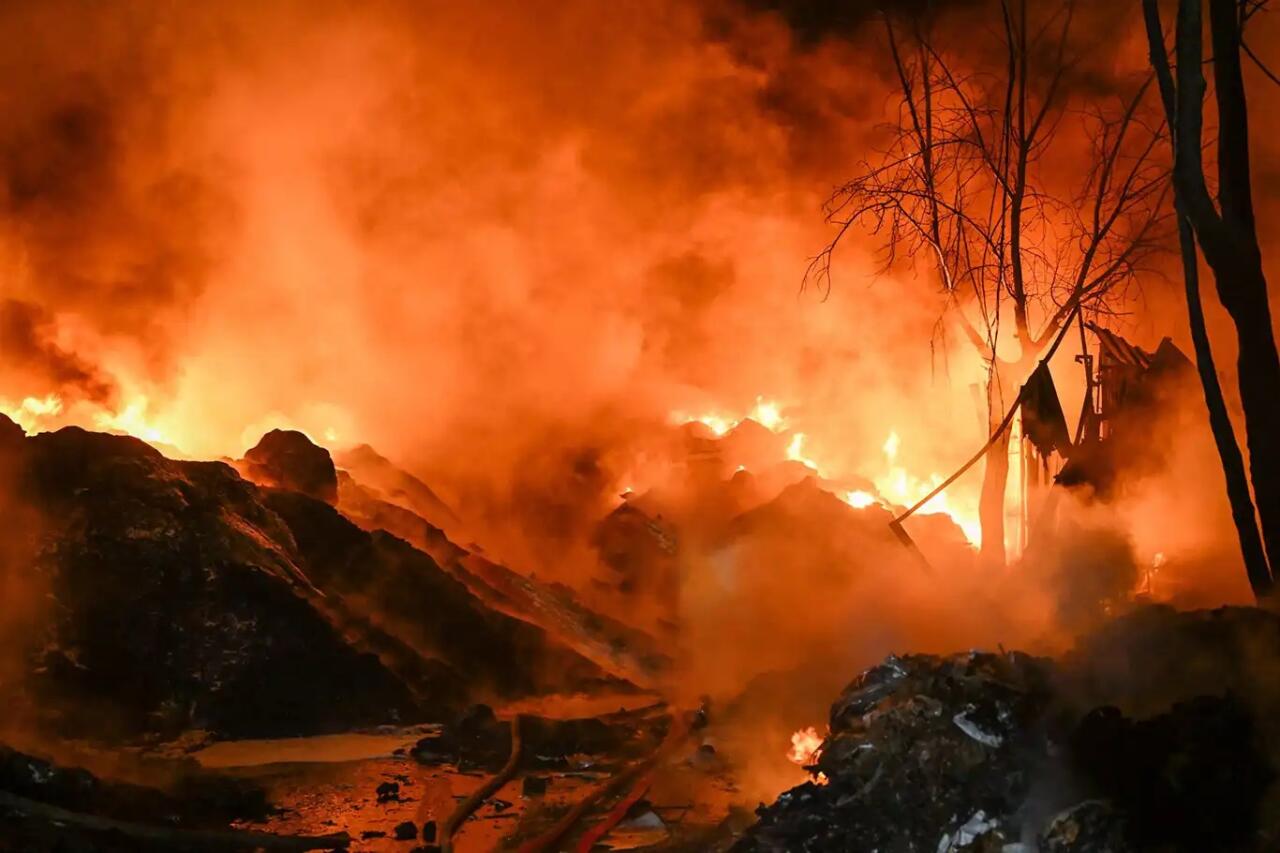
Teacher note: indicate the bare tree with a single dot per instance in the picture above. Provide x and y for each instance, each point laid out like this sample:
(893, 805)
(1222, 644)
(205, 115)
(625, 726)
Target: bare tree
(972, 179)
(1227, 236)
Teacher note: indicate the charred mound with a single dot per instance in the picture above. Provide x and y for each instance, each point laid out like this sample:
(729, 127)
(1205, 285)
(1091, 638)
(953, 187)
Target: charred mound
(410, 597)
(986, 752)
(376, 472)
(477, 738)
(288, 459)
(195, 800)
(616, 647)
(173, 599)
(169, 595)
(49, 806)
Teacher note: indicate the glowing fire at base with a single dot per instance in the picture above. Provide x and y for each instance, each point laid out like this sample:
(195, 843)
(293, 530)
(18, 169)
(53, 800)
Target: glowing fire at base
(859, 499)
(805, 745)
(904, 488)
(895, 485)
(767, 413)
(133, 420)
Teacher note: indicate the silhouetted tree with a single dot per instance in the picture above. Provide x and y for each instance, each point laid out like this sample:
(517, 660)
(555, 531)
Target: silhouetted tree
(1226, 233)
(973, 180)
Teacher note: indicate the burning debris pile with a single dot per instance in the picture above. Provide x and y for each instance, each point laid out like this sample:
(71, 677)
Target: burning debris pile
(1002, 752)
(278, 595)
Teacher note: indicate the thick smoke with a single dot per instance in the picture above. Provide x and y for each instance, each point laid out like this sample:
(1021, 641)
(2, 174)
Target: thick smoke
(498, 243)
(501, 243)
(33, 358)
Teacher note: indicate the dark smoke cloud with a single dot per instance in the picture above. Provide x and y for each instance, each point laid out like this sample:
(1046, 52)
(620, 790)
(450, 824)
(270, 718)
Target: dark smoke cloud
(29, 353)
(108, 212)
(814, 20)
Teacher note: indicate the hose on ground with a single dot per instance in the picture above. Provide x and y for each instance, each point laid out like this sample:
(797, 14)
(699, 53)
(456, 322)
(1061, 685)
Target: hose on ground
(479, 795)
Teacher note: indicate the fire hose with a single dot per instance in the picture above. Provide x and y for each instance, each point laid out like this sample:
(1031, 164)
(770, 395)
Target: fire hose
(615, 815)
(896, 524)
(479, 795)
(639, 773)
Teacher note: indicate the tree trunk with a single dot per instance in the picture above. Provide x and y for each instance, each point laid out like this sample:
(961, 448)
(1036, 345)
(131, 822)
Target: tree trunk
(1227, 236)
(1238, 274)
(1258, 367)
(995, 478)
(1224, 436)
(995, 470)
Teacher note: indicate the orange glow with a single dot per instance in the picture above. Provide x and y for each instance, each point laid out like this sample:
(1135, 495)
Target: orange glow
(767, 414)
(716, 423)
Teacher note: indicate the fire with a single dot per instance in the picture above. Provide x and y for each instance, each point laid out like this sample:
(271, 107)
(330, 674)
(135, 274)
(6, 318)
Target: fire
(29, 413)
(767, 413)
(901, 487)
(890, 447)
(795, 452)
(133, 420)
(895, 484)
(805, 745)
(717, 424)
(859, 499)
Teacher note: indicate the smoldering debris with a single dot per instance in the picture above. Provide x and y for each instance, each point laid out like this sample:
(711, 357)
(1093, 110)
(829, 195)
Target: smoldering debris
(49, 806)
(978, 752)
(922, 751)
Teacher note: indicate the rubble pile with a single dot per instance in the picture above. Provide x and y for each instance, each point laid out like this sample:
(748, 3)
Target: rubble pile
(48, 806)
(288, 459)
(404, 593)
(924, 753)
(1003, 753)
(619, 648)
(195, 799)
(175, 595)
(173, 599)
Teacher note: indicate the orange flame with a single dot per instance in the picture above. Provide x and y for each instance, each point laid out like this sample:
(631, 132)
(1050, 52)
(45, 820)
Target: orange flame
(765, 412)
(805, 745)
(900, 486)
(133, 420)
